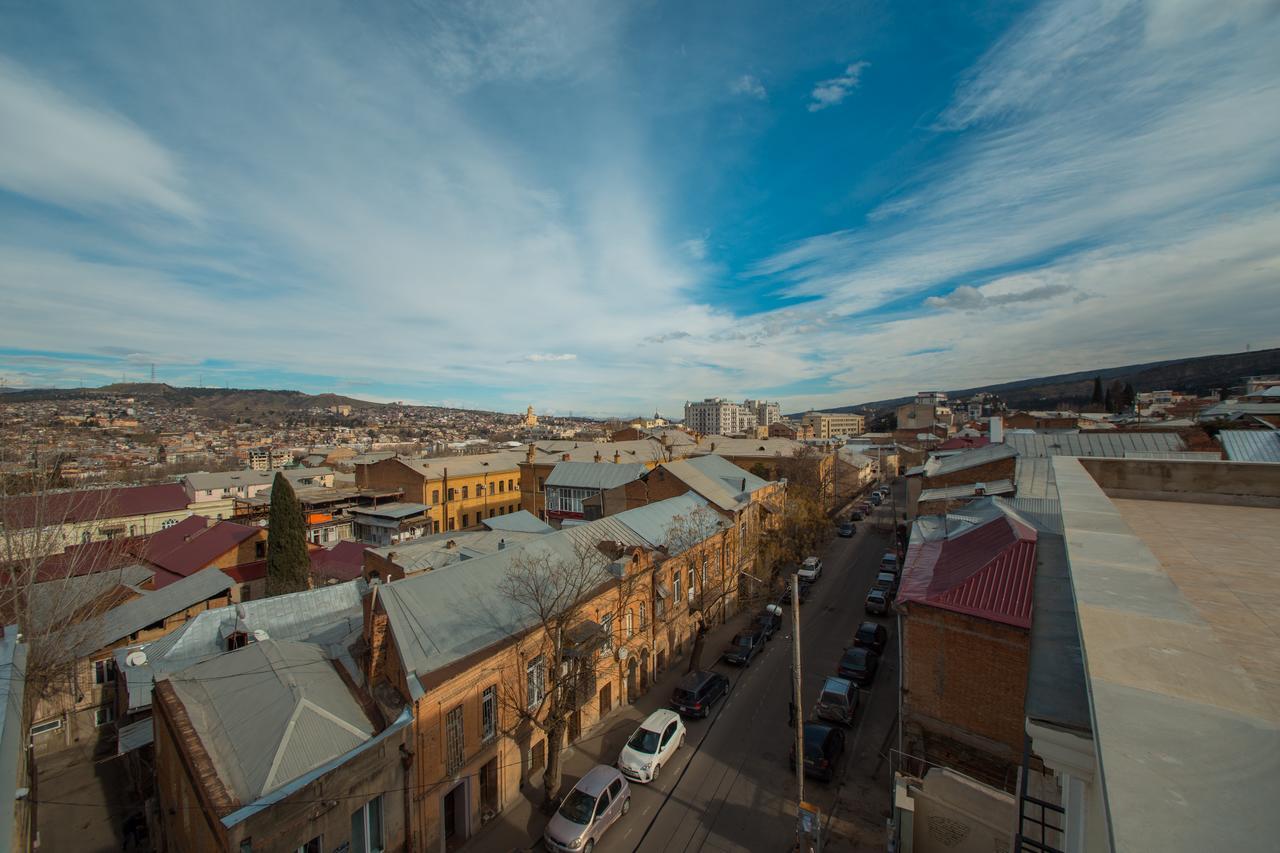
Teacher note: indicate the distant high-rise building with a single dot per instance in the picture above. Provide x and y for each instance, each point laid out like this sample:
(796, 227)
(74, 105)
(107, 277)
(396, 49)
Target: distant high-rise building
(767, 414)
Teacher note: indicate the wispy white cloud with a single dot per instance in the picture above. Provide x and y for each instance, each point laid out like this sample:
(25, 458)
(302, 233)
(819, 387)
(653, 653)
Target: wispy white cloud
(55, 148)
(750, 86)
(829, 93)
(969, 298)
(550, 356)
(695, 248)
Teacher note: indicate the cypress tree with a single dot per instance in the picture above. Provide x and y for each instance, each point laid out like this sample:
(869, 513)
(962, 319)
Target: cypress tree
(288, 566)
(1097, 390)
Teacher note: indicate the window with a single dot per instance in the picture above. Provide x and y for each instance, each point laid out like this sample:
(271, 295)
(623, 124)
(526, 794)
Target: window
(464, 493)
(704, 575)
(451, 523)
(105, 714)
(366, 827)
(49, 726)
(606, 628)
(133, 530)
(466, 519)
(631, 628)
(491, 513)
(489, 713)
(452, 492)
(539, 484)
(691, 579)
(479, 490)
(454, 751)
(103, 672)
(435, 496)
(259, 550)
(84, 537)
(238, 640)
(165, 525)
(511, 485)
(315, 845)
(535, 675)
(642, 616)
(675, 584)
(501, 486)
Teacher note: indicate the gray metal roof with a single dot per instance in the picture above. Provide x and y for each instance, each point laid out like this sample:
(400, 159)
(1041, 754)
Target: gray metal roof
(716, 479)
(937, 467)
(1034, 477)
(325, 614)
(442, 616)
(119, 622)
(1110, 444)
(1251, 445)
(967, 490)
(1056, 690)
(395, 509)
(595, 475)
(301, 715)
(135, 735)
(57, 600)
(520, 522)
(207, 480)
(444, 549)
(506, 463)
(1236, 409)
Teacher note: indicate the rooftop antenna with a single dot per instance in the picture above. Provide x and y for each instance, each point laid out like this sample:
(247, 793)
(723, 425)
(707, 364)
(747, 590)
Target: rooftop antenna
(153, 371)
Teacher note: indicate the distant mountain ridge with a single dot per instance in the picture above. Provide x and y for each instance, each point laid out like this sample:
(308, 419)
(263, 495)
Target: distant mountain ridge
(1199, 374)
(214, 401)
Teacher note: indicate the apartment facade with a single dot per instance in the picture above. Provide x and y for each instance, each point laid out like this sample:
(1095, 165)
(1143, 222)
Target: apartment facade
(474, 685)
(459, 491)
(827, 425)
(718, 416)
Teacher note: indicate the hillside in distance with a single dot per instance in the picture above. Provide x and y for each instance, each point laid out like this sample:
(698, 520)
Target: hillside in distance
(1199, 375)
(214, 402)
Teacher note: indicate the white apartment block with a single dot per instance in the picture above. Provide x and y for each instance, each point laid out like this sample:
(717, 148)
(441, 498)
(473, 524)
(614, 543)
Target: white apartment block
(718, 416)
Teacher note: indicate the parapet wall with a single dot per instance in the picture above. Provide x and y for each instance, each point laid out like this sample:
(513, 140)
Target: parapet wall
(1202, 481)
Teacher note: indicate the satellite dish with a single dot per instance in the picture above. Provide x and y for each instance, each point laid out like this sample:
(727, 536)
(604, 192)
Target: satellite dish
(622, 653)
(261, 635)
(136, 659)
(774, 609)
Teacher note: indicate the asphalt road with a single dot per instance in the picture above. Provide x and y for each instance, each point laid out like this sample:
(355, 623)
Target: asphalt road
(731, 787)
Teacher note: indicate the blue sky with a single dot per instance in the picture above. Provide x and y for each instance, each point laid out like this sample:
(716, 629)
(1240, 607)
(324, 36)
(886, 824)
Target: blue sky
(609, 208)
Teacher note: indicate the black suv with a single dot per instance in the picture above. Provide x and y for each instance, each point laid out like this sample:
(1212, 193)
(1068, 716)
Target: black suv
(823, 746)
(744, 647)
(697, 692)
(859, 666)
(872, 636)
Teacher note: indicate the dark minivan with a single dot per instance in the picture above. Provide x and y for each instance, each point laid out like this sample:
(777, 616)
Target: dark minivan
(871, 636)
(697, 692)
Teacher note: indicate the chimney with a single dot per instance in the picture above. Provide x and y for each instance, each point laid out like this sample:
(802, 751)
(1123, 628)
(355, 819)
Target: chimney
(564, 457)
(451, 544)
(713, 447)
(996, 433)
(528, 454)
(502, 544)
(617, 457)
(597, 459)
(979, 488)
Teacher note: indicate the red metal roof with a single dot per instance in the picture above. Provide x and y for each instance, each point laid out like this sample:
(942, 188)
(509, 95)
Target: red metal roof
(343, 562)
(987, 571)
(92, 505)
(187, 554)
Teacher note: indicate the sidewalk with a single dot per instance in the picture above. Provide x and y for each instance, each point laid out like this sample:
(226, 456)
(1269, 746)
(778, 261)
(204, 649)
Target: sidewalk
(519, 826)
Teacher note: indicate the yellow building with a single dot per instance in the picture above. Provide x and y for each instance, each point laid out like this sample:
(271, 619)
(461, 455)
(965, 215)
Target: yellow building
(460, 491)
(827, 425)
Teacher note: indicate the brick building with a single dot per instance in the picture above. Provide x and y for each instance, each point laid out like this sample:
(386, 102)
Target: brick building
(966, 607)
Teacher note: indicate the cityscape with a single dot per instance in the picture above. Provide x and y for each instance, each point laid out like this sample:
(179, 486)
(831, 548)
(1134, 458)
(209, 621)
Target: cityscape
(639, 427)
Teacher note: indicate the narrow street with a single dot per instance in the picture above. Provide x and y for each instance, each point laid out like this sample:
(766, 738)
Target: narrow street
(732, 789)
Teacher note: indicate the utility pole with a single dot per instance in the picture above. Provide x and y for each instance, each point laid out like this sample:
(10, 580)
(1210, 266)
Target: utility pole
(799, 702)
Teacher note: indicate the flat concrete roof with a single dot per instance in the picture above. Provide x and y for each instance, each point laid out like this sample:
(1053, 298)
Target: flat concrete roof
(1178, 606)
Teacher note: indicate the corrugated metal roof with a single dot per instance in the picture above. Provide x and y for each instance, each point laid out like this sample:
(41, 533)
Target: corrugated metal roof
(519, 522)
(56, 600)
(320, 615)
(433, 468)
(135, 735)
(1034, 477)
(1110, 444)
(1251, 445)
(1057, 693)
(395, 509)
(716, 479)
(968, 459)
(1175, 455)
(986, 571)
(441, 616)
(119, 622)
(595, 475)
(967, 490)
(302, 714)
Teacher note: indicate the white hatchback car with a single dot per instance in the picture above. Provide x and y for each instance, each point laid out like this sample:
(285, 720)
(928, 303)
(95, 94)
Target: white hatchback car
(651, 746)
(811, 569)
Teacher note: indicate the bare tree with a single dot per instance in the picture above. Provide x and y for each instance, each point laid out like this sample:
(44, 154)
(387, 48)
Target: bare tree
(696, 547)
(56, 575)
(555, 591)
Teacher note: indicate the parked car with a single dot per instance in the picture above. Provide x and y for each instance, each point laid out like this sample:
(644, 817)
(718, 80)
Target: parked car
(743, 647)
(871, 635)
(768, 621)
(889, 562)
(811, 569)
(877, 603)
(823, 746)
(594, 805)
(697, 691)
(847, 530)
(651, 746)
(857, 515)
(837, 702)
(804, 592)
(876, 500)
(859, 665)
(888, 582)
